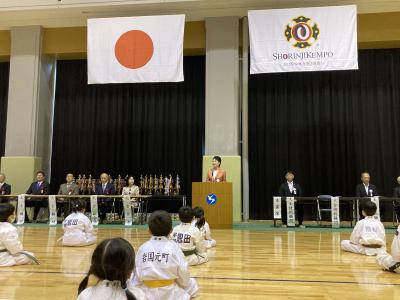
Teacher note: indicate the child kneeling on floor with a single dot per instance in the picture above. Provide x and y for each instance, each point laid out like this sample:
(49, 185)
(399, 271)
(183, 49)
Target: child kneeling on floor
(189, 238)
(11, 250)
(201, 223)
(368, 236)
(161, 269)
(391, 262)
(78, 229)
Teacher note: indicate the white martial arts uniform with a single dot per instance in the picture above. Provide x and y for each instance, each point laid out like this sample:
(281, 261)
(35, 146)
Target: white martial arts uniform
(206, 234)
(391, 262)
(190, 240)
(109, 290)
(9, 241)
(162, 272)
(367, 231)
(78, 230)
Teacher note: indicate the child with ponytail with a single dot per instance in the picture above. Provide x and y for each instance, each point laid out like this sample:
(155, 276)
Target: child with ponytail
(113, 262)
(200, 222)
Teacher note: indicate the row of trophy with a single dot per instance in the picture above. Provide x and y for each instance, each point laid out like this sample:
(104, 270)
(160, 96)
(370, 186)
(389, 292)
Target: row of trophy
(161, 185)
(149, 185)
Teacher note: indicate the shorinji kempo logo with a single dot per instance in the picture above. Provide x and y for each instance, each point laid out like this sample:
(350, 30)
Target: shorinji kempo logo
(302, 31)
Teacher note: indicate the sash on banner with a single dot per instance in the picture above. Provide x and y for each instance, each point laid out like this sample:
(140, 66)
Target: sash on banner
(277, 207)
(335, 214)
(52, 210)
(21, 210)
(127, 210)
(377, 215)
(291, 218)
(94, 210)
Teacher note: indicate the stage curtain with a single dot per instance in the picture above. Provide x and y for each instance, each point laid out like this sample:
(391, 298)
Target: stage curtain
(151, 128)
(326, 126)
(4, 75)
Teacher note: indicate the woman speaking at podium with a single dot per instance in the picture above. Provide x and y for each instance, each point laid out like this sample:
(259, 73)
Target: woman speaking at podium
(216, 174)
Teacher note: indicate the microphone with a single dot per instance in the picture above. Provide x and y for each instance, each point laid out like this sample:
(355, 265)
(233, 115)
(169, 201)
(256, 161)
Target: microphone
(370, 192)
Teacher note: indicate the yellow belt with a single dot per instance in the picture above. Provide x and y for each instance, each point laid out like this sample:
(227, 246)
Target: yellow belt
(158, 283)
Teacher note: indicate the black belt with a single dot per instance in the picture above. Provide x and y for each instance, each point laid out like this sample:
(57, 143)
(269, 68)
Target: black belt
(189, 252)
(374, 246)
(394, 267)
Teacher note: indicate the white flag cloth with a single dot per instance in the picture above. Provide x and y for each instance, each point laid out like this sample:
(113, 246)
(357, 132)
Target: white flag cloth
(135, 49)
(303, 39)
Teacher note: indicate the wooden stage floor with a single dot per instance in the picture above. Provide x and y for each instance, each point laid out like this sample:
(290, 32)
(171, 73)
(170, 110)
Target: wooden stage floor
(247, 264)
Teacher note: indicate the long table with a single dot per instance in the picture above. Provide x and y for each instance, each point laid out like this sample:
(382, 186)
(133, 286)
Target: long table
(142, 200)
(354, 204)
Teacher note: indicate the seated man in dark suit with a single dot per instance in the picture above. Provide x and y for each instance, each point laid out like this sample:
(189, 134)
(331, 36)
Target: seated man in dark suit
(5, 189)
(69, 188)
(365, 189)
(104, 188)
(38, 187)
(396, 194)
(291, 189)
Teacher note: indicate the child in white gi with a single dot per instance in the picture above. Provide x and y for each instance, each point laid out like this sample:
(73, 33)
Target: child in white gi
(113, 262)
(161, 269)
(201, 223)
(391, 262)
(78, 230)
(368, 236)
(11, 251)
(189, 238)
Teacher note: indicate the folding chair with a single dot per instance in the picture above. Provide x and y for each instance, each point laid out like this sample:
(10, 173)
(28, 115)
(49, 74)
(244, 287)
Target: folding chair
(323, 205)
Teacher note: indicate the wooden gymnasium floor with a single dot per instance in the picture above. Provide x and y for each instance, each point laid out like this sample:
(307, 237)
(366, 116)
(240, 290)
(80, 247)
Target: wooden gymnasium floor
(247, 264)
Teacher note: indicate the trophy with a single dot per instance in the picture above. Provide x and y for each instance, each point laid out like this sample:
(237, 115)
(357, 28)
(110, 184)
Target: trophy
(78, 182)
(141, 185)
(171, 187)
(93, 186)
(155, 184)
(151, 184)
(146, 184)
(160, 185)
(84, 184)
(119, 185)
(89, 185)
(177, 185)
(166, 186)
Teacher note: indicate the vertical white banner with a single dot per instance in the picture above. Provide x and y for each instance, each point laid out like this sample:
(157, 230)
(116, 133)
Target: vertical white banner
(21, 209)
(377, 215)
(335, 212)
(291, 216)
(94, 207)
(277, 207)
(303, 39)
(52, 210)
(127, 210)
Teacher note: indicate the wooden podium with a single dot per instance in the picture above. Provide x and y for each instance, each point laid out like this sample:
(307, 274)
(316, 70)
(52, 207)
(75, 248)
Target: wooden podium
(220, 214)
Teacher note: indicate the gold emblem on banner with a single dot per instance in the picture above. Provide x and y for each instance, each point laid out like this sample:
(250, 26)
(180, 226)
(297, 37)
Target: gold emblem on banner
(302, 31)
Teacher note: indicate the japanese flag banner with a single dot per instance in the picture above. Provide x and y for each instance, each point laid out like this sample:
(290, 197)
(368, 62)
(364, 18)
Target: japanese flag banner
(135, 49)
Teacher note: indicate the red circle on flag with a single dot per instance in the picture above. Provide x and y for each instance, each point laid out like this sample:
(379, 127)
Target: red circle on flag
(134, 49)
